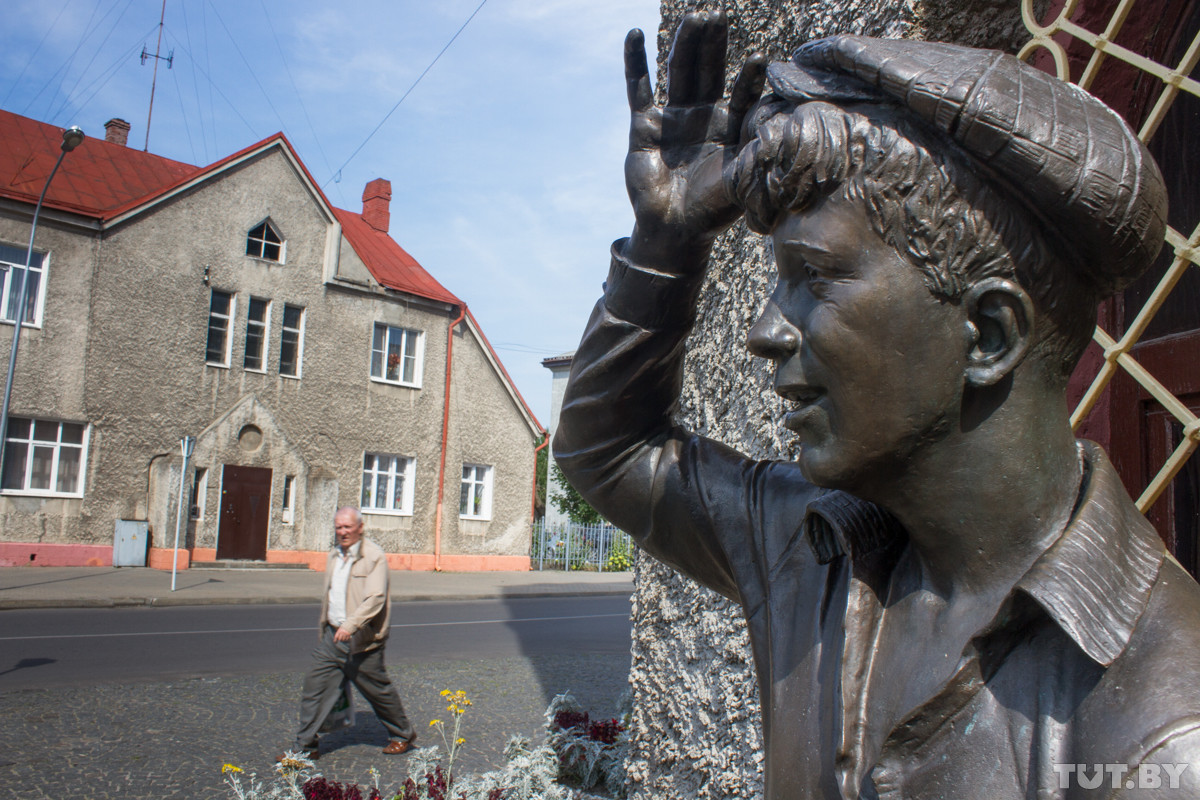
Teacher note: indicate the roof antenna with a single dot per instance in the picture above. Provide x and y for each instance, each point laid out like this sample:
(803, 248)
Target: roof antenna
(170, 58)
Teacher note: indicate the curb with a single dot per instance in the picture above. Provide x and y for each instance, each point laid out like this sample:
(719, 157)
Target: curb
(168, 601)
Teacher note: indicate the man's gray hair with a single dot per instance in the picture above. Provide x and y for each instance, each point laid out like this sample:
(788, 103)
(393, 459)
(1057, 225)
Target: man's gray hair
(358, 517)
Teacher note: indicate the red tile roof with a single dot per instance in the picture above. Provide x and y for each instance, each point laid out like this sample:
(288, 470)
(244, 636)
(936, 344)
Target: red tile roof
(100, 178)
(391, 265)
(100, 175)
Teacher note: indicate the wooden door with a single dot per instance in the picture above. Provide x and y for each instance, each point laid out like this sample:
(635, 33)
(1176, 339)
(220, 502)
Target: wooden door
(245, 513)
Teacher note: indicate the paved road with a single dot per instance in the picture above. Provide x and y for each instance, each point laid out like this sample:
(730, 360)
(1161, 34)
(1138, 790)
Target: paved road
(174, 693)
(71, 647)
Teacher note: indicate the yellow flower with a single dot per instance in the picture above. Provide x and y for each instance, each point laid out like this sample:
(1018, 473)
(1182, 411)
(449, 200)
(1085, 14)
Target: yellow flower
(230, 768)
(433, 722)
(460, 740)
(445, 692)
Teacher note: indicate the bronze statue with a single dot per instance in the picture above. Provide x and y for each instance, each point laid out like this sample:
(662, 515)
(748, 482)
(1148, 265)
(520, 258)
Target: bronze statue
(948, 596)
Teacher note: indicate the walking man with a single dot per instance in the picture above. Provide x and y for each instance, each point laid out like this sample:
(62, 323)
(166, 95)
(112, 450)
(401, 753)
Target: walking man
(354, 626)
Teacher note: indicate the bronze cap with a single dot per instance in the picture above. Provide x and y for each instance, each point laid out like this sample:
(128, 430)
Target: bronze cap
(1068, 156)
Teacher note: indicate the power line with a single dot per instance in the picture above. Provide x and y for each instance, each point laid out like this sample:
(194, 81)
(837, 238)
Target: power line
(36, 50)
(296, 89)
(102, 79)
(187, 30)
(337, 175)
(87, 69)
(250, 69)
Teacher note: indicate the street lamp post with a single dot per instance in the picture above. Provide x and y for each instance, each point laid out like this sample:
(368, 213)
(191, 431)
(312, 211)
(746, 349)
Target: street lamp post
(71, 138)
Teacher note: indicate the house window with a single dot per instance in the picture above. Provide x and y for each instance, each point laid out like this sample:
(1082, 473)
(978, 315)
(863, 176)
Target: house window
(220, 323)
(387, 486)
(258, 322)
(396, 355)
(291, 342)
(476, 499)
(289, 499)
(265, 242)
(44, 457)
(199, 492)
(12, 268)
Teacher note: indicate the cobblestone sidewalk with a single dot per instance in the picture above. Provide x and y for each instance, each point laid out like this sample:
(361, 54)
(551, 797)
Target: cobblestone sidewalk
(167, 741)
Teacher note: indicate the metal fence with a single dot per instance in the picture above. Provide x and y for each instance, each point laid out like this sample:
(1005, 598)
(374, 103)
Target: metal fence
(570, 546)
(1169, 81)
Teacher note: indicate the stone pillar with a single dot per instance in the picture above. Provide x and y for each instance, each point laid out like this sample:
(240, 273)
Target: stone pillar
(696, 723)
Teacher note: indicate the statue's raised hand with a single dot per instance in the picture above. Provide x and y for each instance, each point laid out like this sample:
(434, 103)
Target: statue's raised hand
(677, 151)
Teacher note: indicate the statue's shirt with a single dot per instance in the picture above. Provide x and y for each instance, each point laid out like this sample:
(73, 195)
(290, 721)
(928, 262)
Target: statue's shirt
(1086, 683)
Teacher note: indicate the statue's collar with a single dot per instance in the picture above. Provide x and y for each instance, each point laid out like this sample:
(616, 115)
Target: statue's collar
(1094, 581)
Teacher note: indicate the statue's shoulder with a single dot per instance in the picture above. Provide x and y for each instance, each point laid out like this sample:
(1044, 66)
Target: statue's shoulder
(1146, 707)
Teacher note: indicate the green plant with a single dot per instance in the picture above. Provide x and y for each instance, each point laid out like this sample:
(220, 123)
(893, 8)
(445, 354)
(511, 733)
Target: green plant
(590, 754)
(620, 555)
(292, 773)
(571, 502)
(586, 756)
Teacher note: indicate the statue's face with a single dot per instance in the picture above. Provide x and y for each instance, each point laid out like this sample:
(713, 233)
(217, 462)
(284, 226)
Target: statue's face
(870, 362)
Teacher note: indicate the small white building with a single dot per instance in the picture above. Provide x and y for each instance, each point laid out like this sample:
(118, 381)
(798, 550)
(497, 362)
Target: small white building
(560, 370)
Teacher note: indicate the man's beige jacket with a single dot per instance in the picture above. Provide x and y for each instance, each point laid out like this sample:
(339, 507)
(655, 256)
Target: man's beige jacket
(368, 601)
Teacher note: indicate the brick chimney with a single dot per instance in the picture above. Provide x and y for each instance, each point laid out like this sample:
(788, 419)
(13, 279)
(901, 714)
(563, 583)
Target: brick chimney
(377, 196)
(116, 131)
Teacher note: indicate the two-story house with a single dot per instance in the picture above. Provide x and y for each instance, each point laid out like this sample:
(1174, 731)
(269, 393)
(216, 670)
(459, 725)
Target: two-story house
(315, 362)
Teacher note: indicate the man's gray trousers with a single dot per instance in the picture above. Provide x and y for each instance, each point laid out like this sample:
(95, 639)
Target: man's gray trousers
(333, 663)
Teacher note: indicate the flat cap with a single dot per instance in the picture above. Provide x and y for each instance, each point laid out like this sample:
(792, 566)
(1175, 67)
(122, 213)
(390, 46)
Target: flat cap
(1069, 157)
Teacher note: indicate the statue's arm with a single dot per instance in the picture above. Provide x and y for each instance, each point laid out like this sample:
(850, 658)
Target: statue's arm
(678, 494)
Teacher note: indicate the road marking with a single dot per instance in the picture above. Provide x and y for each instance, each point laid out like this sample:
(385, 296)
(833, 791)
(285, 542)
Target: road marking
(305, 628)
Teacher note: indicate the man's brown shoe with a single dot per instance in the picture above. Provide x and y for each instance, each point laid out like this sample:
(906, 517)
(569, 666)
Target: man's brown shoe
(397, 746)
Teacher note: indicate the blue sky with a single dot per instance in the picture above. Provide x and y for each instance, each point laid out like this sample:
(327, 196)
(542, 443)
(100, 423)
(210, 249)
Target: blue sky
(505, 160)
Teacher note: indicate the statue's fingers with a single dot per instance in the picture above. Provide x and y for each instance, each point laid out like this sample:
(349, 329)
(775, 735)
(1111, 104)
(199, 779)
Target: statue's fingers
(710, 59)
(637, 74)
(747, 88)
(681, 62)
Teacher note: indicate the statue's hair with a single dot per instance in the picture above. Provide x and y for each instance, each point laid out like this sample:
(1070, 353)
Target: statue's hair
(922, 195)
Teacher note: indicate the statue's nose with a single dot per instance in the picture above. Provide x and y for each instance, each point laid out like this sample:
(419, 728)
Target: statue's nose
(773, 336)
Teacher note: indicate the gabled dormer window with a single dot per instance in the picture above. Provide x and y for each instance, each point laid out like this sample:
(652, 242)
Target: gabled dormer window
(265, 242)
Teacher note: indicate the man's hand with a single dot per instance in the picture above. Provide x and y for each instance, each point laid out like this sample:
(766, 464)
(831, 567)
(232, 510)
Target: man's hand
(677, 152)
(342, 635)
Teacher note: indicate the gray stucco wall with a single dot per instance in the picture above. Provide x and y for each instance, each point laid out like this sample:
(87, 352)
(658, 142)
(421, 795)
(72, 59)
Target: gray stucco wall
(49, 369)
(696, 725)
(123, 348)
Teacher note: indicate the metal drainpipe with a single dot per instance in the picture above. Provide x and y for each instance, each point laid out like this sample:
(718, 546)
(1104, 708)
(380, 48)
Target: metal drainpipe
(437, 523)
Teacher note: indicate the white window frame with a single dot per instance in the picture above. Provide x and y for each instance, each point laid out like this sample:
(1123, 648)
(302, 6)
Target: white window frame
(288, 513)
(230, 321)
(58, 445)
(299, 331)
(473, 484)
(396, 465)
(262, 243)
(199, 493)
(39, 265)
(264, 347)
(379, 358)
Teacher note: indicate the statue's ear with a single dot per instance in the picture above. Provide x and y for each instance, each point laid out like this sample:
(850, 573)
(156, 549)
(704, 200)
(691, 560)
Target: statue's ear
(1000, 316)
